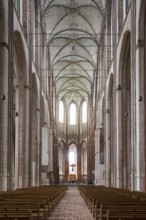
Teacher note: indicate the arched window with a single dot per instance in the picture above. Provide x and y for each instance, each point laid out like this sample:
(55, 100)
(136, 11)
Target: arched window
(72, 157)
(84, 112)
(17, 7)
(127, 3)
(73, 160)
(72, 114)
(61, 112)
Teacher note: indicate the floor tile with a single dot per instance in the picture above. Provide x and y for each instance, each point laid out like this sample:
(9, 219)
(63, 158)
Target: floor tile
(71, 207)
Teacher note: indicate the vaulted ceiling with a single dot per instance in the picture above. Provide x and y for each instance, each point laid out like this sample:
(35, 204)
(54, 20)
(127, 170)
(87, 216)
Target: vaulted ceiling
(73, 30)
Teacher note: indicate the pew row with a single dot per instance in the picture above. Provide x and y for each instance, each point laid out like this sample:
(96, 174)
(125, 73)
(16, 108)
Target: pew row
(30, 203)
(109, 203)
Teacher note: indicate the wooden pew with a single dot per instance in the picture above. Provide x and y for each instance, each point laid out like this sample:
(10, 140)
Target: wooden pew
(118, 214)
(105, 201)
(40, 200)
(39, 208)
(104, 210)
(113, 202)
(16, 214)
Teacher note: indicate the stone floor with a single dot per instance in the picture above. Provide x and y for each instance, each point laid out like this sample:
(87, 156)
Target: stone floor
(71, 207)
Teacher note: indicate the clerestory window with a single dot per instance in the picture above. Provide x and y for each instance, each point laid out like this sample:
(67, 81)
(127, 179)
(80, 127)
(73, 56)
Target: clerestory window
(73, 113)
(84, 112)
(61, 112)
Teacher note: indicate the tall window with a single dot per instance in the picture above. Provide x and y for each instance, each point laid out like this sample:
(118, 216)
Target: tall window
(17, 7)
(61, 112)
(127, 3)
(84, 112)
(73, 114)
(71, 157)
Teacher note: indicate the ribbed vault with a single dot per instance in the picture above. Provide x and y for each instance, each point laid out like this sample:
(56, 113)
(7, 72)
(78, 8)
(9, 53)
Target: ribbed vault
(73, 29)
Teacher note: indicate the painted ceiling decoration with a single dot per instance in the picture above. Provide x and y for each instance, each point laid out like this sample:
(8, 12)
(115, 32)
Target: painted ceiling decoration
(73, 30)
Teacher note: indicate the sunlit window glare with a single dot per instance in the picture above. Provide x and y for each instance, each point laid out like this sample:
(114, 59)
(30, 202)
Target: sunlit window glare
(72, 114)
(84, 112)
(71, 158)
(61, 112)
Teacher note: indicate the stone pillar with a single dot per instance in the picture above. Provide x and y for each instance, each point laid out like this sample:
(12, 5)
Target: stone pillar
(119, 138)
(85, 164)
(16, 139)
(37, 181)
(79, 163)
(10, 158)
(107, 149)
(30, 37)
(63, 164)
(26, 137)
(97, 162)
(55, 161)
(133, 90)
(45, 154)
(139, 153)
(90, 161)
(50, 151)
(4, 65)
(4, 118)
(66, 164)
(79, 148)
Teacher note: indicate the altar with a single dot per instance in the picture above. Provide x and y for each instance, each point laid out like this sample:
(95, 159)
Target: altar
(72, 178)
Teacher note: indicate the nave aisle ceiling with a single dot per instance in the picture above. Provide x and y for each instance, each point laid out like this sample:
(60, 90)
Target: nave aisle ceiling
(73, 30)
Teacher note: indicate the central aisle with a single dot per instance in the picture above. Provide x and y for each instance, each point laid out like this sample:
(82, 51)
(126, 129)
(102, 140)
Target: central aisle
(71, 207)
